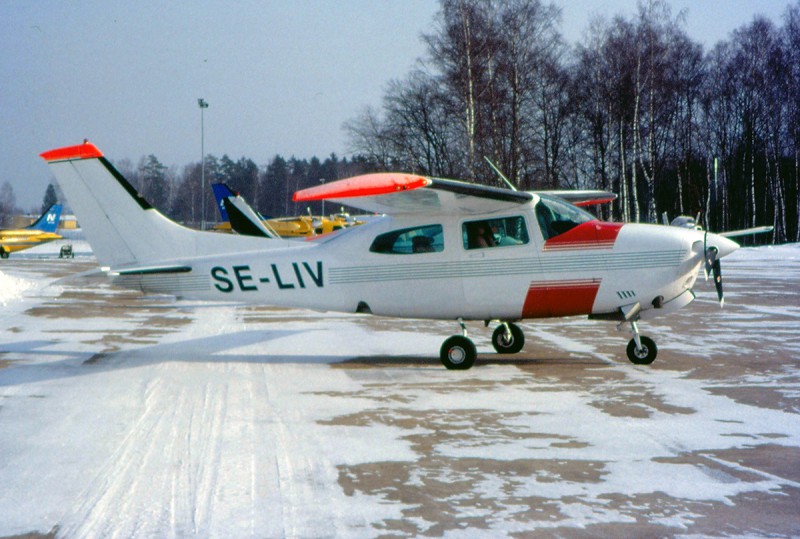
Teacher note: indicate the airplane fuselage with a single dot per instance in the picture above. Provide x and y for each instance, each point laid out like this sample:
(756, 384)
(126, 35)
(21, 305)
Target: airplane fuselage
(596, 268)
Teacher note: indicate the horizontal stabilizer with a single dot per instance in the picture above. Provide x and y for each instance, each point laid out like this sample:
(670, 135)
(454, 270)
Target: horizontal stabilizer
(153, 270)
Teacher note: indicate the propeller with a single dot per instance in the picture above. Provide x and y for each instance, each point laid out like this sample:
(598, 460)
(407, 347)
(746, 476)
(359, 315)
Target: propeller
(713, 267)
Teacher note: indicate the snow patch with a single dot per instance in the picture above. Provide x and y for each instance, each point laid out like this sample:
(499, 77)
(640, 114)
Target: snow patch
(12, 288)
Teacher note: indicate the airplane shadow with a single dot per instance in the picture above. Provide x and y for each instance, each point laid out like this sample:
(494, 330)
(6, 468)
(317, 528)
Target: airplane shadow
(217, 349)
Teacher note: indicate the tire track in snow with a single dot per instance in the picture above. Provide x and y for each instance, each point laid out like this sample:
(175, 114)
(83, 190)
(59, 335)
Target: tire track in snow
(164, 472)
(307, 481)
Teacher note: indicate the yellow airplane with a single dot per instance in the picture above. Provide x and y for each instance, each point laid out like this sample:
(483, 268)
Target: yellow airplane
(289, 227)
(42, 231)
(285, 227)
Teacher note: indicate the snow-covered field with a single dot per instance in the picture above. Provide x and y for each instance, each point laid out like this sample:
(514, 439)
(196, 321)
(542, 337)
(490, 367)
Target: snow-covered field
(131, 416)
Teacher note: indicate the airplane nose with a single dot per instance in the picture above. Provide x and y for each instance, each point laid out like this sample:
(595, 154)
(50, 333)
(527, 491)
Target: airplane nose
(724, 245)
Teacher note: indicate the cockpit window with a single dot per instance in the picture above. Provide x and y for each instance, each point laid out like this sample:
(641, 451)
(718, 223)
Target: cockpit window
(407, 241)
(556, 216)
(495, 233)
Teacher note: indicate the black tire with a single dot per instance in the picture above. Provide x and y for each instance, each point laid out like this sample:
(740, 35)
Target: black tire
(3, 253)
(646, 355)
(511, 346)
(458, 353)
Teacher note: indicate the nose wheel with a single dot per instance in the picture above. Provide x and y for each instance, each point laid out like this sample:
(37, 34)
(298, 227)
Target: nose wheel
(641, 350)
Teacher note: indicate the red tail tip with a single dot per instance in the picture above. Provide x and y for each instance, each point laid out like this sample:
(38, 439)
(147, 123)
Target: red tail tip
(86, 150)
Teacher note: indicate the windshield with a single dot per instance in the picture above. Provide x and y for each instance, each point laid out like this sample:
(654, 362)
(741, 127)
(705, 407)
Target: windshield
(556, 216)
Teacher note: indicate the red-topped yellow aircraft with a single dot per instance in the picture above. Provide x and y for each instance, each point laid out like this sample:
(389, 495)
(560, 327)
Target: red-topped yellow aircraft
(41, 231)
(443, 249)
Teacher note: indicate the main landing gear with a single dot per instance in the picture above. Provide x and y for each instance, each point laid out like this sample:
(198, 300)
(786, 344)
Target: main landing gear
(459, 352)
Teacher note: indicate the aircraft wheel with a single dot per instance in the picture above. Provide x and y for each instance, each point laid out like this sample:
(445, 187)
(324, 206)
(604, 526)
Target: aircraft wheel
(3, 253)
(646, 355)
(458, 353)
(511, 345)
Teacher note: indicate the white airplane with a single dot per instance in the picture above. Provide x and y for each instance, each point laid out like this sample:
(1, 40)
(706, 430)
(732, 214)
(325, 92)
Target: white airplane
(444, 250)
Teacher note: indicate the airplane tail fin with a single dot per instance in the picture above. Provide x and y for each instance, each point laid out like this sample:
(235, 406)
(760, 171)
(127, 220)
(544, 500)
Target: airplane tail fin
(121, 226)
(244, 220)
(221, 192)
(48, 221)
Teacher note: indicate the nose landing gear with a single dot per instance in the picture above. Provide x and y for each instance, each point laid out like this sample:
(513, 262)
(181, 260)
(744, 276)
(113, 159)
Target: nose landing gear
(641, 350)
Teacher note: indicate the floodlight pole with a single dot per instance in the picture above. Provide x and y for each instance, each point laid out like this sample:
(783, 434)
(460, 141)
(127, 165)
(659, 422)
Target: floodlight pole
(203, 104)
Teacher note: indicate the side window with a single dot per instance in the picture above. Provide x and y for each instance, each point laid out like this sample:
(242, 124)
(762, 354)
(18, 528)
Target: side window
(556, 216)
(494, 233)
(407, 241)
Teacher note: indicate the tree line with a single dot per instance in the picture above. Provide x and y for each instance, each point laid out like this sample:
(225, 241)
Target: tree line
(178, 192)
(268, 188)
(637, 107)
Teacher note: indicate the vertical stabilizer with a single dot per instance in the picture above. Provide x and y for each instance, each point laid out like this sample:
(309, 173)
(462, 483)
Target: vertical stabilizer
(221, 192)
(48, 221)
(121, 226)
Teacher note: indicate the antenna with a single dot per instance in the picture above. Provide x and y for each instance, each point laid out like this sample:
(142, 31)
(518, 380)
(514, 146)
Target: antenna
(502, 176)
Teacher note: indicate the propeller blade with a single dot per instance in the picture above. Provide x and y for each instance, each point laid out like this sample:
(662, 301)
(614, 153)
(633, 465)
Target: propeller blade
(717, 268)
(711, 259)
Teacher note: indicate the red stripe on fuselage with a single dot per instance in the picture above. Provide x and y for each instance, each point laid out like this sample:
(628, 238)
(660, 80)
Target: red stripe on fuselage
(589, 235)
(560, 298)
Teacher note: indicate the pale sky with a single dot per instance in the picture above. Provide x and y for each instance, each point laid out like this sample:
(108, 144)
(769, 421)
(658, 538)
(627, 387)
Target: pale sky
(280, 76)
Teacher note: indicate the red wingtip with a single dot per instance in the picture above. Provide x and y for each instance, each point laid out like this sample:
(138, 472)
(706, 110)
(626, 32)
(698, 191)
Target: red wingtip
(595, 202)
(86, 150)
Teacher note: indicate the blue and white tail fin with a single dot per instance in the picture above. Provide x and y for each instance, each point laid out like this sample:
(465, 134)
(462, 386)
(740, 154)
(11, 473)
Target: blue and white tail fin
(243, 219)
(123, 229)
(221, 192)
(48, 221)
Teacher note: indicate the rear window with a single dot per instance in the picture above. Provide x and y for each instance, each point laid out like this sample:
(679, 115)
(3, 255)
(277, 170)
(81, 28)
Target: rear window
(408, 241)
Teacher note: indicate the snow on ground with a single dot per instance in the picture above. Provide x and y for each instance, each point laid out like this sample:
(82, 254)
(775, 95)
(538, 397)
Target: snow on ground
(123, 415)
(12, 288)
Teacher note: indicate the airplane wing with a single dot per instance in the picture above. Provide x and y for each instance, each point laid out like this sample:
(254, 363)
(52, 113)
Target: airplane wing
(397, 193)
(746, 231)
(585, 197)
